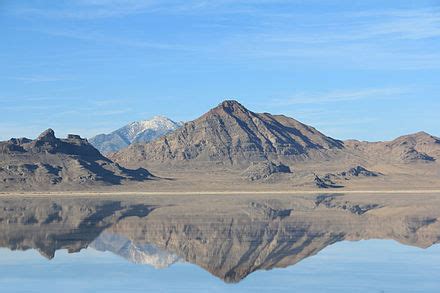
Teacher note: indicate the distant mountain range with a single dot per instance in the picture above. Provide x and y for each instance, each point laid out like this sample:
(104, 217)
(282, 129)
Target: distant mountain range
(231, 134)
(263, 147)
(135, 132)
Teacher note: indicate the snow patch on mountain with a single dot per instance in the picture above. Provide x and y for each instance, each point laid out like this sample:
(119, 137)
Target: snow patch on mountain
(146, 254)
(135, 132)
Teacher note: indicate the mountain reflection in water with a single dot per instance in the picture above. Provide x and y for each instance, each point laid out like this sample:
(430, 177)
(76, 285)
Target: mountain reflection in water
(229, 236)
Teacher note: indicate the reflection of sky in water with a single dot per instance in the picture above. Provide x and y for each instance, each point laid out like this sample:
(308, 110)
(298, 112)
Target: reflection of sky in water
(366, 266)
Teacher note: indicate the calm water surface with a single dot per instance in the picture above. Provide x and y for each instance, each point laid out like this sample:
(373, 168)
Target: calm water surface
(325, 243)
(366, 266)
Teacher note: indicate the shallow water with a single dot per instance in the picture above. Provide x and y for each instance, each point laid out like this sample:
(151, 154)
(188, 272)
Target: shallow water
(366, 266)
(323, 243)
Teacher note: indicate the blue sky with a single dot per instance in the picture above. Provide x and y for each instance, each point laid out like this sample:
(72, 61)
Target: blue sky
(353, 69)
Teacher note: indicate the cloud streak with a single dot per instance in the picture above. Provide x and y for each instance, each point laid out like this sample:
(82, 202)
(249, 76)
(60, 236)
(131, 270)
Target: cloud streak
(41, 78)
(99, 9)
(342, 96)
(87, 10)
(96, 37)
(390, 37)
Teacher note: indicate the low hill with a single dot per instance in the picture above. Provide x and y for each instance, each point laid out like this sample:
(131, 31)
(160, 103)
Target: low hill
(417, 147)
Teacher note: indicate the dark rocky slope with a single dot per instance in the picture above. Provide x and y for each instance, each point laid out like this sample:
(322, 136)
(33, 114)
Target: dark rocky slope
(49, 162)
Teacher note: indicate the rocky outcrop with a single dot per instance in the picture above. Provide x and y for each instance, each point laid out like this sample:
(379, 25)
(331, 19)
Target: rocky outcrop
(325, 182)
(359, 171)
(49, 162)
(354, 172)
(262, 171)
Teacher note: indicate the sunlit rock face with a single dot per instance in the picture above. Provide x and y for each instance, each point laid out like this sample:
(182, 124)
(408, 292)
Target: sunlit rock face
(230, 237)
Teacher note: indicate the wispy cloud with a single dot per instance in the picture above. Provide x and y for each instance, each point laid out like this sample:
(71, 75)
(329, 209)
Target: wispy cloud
(41, 78)
(370, 40)
(406, 24)
(81, 9)
(98, 9)
(97, 37)
(389, 37)
(341, 96)
(344, 25)
(410, 24)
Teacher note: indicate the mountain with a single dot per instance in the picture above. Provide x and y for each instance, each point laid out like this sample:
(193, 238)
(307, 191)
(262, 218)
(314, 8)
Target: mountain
(417, 147)
(232, 134)
(135, 132)
(49, 162)
(229, 147)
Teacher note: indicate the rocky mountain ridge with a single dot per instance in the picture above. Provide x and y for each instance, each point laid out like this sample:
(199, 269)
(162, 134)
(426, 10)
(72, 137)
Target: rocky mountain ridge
(230, 133)
(230, 136)
(49, 162)
(237, 145)
(416, 147)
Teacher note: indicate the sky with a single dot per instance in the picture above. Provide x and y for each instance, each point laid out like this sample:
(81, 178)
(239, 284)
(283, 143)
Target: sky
(368, 70)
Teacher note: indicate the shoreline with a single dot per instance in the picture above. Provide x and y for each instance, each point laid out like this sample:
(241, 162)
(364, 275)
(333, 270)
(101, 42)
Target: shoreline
(201, 193)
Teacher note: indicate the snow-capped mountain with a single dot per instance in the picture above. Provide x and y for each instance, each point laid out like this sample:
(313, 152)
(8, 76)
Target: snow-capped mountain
(147, 254)
(138, 131)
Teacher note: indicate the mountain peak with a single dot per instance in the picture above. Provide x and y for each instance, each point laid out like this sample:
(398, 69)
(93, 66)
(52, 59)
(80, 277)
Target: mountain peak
(47, 135)
(231, 106)
(230, 103)
(155, 123)
(423, 134)
(417, 137)
(160, 118)
(135, 132)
